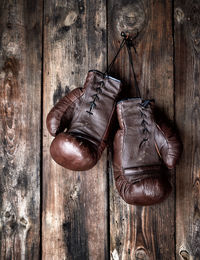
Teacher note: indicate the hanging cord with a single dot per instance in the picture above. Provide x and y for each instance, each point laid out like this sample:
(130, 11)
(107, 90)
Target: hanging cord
(116, 55)
(129, 44)
(127, 40)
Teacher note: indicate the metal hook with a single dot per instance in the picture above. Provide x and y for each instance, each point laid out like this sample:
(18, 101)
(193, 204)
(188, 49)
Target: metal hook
(128, 37)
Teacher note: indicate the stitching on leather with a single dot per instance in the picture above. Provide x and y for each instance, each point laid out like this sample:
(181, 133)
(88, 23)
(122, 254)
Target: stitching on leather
(83, 98)
(55, 109)
(166, 140)
(123, 139)
(108, 125)
(157, 149)
(102, 142)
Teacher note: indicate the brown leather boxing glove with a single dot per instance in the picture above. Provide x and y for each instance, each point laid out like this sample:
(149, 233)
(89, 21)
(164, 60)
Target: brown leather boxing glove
(81, 122)
(141, 146)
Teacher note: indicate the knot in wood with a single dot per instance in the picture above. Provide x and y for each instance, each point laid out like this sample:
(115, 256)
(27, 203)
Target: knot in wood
(70, 18)
(184, 254)
(194, 26)
(140, 254)
(23, 221)
(179, 15)
(129, 18)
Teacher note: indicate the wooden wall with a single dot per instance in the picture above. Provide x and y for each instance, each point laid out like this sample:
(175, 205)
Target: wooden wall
(46, 49)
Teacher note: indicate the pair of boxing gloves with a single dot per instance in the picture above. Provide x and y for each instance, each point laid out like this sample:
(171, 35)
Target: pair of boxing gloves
(144, 145)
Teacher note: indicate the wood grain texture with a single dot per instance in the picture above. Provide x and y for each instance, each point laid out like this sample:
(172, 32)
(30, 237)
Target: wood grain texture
(20, 112)
(74, 203)
(143, 232)
(187, 78)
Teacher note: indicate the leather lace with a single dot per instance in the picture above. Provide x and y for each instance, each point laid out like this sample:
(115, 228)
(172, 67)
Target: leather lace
(95, 98)
(128, 41)
(144, 123)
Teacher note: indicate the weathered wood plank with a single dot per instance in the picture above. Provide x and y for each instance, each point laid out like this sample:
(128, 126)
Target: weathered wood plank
(20, 113)
(143, 232)
(187, 78)
(74, 203)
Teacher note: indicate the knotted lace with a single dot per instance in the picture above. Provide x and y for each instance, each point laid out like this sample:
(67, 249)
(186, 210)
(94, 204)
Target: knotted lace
(95, 98)
(144, 123)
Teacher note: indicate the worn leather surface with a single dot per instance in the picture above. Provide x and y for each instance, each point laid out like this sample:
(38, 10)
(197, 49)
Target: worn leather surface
(141, 146)
(81, 122)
